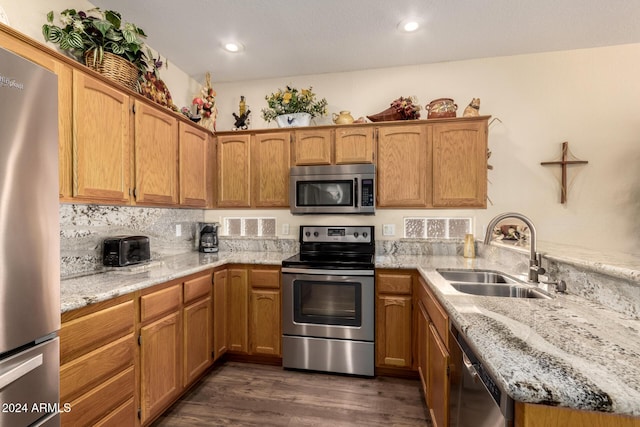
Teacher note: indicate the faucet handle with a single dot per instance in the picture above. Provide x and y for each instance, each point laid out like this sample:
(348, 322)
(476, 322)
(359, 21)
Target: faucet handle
(560, 285)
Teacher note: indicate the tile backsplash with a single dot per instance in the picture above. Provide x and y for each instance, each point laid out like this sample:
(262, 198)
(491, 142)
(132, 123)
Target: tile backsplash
(83, 227)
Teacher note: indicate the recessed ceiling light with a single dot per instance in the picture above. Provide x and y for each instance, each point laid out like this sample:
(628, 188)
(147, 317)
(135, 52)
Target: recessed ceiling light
(233, 47)
(409, 25)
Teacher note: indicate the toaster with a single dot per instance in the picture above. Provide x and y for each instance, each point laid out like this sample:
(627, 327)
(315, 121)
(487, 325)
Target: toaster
(120, 251)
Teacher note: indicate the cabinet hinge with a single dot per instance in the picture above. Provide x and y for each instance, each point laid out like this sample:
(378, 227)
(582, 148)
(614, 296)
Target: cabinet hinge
(135, 193)
(140, 339)
(139, 413)
(133, 108)
(448, 370)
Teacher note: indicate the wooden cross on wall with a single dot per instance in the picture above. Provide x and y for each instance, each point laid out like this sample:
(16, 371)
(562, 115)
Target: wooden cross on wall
(563, 163)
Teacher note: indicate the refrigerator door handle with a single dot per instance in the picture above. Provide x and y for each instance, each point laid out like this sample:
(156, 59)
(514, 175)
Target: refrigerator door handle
(19, 371)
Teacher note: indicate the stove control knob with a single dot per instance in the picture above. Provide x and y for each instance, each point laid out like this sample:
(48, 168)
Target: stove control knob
(315, 234)
(365, 234)
(355, 234)
(307, 234)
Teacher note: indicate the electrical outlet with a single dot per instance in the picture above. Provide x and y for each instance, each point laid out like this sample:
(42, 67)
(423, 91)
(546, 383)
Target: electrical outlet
(388, 229)
(178, 230)
(285, 229)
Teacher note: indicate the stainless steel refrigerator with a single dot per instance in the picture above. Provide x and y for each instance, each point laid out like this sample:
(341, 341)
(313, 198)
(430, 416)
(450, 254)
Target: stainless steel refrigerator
(29, 245)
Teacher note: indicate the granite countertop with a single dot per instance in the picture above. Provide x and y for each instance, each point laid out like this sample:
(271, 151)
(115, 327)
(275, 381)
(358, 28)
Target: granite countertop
(82, 290)
(565, 351)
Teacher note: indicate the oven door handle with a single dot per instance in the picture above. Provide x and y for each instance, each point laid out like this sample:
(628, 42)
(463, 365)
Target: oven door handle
(290, 270)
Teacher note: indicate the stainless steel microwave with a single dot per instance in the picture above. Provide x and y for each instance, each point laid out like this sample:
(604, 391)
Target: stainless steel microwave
(335, 189)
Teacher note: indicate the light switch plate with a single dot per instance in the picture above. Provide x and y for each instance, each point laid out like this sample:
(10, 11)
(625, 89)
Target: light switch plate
(388, 229)
(178, 230)
(285, 229)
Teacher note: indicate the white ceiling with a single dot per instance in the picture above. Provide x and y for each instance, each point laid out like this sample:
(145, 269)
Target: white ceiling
(299, 37)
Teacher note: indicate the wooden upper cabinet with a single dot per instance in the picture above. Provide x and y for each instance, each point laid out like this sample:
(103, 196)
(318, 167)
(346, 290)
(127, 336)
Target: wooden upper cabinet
(194, 160)
(101, 144)
(354, 145)
(156, 156)
(404, 165)
(234, 171)
(460, 164)
(270, 165)
(312, 147)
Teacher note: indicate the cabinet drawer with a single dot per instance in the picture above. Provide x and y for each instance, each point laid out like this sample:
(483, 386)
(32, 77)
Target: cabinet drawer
(197, 288)
(100, 401)
(437, 314)
(262, 278)
(122, 416)
(394, 283)
(84, 334)
(160, 302)
(93, 368)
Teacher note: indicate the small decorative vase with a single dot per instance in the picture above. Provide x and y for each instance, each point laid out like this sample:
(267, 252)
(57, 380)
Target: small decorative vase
(293, 120)
(344, 118)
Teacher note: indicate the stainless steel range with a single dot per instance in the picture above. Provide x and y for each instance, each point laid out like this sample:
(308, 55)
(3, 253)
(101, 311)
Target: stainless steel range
(328, 300)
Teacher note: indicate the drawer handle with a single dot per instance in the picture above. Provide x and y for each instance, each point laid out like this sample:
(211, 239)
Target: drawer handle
(14, 374)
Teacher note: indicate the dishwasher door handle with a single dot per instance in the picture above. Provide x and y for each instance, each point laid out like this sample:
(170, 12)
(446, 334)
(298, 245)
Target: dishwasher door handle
(470, 368)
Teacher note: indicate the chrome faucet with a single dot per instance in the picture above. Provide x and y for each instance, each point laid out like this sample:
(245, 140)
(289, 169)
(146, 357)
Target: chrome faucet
(535, 261)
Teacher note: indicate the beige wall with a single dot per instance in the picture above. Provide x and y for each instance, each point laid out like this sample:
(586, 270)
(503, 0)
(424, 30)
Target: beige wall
(589, 97)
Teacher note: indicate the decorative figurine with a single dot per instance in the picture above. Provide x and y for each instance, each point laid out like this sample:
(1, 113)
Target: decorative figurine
(473, 109)
(242, 120)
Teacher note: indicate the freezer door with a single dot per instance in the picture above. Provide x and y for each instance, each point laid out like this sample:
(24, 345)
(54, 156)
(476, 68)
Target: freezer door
(29, 205)
(29, 385)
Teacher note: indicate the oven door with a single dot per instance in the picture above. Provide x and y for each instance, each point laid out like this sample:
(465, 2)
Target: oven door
(328, 305)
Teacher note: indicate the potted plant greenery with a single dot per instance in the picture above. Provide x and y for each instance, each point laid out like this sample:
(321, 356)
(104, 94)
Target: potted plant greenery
(293, 107)
(94, 37)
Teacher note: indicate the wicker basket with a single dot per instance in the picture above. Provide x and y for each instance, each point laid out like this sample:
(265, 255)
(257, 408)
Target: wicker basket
(114, 68)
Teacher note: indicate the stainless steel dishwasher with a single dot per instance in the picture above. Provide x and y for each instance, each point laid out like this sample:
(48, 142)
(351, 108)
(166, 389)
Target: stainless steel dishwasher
(476, 400)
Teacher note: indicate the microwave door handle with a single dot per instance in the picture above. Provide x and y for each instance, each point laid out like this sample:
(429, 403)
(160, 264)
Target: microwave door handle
(355, 192)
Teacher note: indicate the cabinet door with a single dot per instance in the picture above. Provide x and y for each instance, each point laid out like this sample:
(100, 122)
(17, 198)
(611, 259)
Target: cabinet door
(438, 388)
(422, 347)
(393, 331)
(238, 310)
(101, 145)
(460, 164)
(270, 169)
(265, 322)
(194, 159)
(404, 165)
(234, 171)
(219, 313)
(197, 339)
(156, 160)
(354, 145)
(160, 350)
(312, 147)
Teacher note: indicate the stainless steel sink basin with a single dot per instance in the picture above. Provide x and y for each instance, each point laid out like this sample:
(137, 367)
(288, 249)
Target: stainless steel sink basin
(476, 276)
(490, 283)
(500, 290)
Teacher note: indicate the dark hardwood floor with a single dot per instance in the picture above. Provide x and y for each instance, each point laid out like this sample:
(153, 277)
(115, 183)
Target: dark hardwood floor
(244, 394)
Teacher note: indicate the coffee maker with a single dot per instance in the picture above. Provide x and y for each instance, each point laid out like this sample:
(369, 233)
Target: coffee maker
(207, 237)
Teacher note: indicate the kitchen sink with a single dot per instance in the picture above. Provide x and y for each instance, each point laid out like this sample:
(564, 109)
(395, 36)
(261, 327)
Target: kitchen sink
(500, 290)
(490, 283)
(476, 276)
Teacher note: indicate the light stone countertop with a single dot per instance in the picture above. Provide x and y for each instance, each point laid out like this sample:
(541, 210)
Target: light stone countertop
(565, 351)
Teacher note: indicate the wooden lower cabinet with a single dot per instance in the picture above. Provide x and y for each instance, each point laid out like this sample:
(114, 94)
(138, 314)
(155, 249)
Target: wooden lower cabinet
(97, 356)
(160, 351)
(238, 310)
(220, 286)
(438, 379)
(265, 326)
(531, 415)
(198, 327)
(394, 319)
